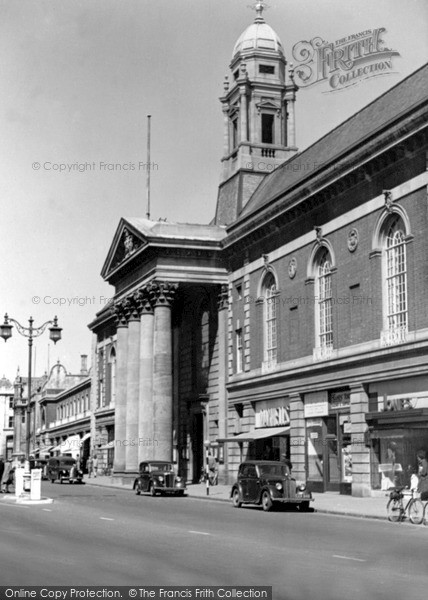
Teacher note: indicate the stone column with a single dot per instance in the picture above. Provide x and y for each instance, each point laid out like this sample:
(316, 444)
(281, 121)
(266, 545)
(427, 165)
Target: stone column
(162, 370)
(120, 408)
(297, 437)
(132, 384)
(244, 125)
(361, 485)
(226, 125)
(93, 392)
(291, 123)
(145, 415)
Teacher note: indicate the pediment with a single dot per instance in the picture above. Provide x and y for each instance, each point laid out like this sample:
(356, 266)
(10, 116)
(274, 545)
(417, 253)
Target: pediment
(126, 242)
(267, 104)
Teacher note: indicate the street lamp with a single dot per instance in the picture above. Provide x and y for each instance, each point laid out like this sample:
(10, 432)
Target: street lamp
(30, 333)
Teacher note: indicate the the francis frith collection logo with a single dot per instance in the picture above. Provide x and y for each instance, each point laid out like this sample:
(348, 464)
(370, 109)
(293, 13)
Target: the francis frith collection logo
(345, 62)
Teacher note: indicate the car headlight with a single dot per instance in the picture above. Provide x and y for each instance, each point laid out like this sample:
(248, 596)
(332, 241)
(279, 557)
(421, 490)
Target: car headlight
(278, 486)
(160, 478)
(178, 479)
(302, 487)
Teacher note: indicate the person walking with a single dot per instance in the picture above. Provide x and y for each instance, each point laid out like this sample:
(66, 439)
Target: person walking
(7, 477)
(89, 465)
(95, 465)
(1, 470)
(422, 474)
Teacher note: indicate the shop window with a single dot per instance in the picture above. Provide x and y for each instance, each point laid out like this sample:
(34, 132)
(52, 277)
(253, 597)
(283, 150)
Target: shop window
(10, 425)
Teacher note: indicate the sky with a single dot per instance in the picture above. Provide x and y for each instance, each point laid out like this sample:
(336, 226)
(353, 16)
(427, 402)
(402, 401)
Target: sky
(79, 78)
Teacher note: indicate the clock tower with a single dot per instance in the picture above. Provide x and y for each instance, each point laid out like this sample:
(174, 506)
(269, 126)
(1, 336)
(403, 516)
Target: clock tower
(258, 111)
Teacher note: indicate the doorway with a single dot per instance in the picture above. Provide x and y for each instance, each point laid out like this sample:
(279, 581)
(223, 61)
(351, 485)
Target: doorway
(197, 445)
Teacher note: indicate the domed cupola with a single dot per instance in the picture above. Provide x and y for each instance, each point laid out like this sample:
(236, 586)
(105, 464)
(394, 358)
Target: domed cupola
(258, 109)
(258, 36)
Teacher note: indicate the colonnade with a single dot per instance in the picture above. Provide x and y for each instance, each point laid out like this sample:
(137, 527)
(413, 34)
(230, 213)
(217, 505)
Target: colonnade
(144, 393)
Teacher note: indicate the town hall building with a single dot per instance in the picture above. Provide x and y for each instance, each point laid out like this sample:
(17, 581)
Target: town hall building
(294, 324)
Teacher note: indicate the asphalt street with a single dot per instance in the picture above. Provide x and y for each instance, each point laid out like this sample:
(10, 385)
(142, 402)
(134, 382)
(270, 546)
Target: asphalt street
(99, 536)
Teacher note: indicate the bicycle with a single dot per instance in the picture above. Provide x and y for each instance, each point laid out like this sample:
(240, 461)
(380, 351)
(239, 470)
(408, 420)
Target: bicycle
(397, 511)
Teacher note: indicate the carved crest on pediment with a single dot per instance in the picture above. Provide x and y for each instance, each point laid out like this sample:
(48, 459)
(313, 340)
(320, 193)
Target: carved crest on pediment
(127, 246)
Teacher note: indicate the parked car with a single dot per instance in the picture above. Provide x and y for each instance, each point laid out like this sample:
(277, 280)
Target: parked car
(158, 477)
(64, 468)
(268, 483)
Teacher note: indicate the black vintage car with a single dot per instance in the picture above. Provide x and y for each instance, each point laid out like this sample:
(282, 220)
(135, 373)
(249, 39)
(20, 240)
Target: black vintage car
(63, 468)
(268, 483)
(158, 477)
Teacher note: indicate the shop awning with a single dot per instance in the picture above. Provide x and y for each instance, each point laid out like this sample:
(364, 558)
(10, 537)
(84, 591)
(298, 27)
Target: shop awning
(85, 437)
(257, 434)
(385, 434)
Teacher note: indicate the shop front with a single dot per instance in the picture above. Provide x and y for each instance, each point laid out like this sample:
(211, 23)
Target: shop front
(328, 441)
(397, 431)
(269, 438)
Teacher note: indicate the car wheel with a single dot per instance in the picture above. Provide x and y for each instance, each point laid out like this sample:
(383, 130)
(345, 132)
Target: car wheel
(236, 500)
(52, 480)
(180, 493)
(152, 490)
(304, 506)
(61, 480)
(137, 489)
(266, 501)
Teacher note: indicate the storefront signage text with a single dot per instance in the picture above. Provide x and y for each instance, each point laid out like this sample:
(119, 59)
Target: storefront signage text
(316, 404)
(340, 400)
(272, 417)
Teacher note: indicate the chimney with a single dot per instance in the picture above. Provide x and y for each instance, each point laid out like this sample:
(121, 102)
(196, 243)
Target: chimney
(84, 364)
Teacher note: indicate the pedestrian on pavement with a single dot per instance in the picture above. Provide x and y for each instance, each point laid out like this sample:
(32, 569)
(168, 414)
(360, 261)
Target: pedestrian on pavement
(213, 469)
(7, 477)
(422, 474)
(89, 465)
(95, 465)
(414, 479)
(1, 468)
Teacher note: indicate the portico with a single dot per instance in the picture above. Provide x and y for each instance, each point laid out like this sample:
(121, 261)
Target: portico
(166, 276)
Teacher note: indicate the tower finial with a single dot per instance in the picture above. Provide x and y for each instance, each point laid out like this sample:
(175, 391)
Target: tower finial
(259, 7)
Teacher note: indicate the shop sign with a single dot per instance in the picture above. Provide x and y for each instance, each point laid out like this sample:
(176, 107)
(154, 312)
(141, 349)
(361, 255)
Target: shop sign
(340, 400)
(316, 404)
(273, 413)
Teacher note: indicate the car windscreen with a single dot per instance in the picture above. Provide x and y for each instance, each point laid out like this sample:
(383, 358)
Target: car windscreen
(275, 470)
(161, 467)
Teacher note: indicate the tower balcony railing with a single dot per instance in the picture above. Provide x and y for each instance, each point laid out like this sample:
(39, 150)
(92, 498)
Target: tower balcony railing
(268, 152)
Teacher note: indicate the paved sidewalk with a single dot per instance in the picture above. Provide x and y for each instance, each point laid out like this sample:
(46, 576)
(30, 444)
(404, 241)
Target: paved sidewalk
(330, 502)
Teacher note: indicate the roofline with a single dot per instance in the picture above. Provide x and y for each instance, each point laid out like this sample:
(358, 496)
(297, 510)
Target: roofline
(245, 218)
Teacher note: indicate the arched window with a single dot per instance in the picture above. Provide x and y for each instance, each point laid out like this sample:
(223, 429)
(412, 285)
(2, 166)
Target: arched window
(270, 330)
(395, 275)
(323, 300)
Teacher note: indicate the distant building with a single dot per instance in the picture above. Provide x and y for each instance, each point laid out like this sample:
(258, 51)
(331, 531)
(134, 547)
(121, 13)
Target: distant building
(6, 418)
(63, 421)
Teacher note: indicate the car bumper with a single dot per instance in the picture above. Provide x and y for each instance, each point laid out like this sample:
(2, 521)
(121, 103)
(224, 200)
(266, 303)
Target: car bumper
(296, 500)
(169, 490)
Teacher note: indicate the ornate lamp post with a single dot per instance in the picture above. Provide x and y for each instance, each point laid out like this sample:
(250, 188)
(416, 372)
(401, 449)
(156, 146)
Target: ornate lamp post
(29, 332)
